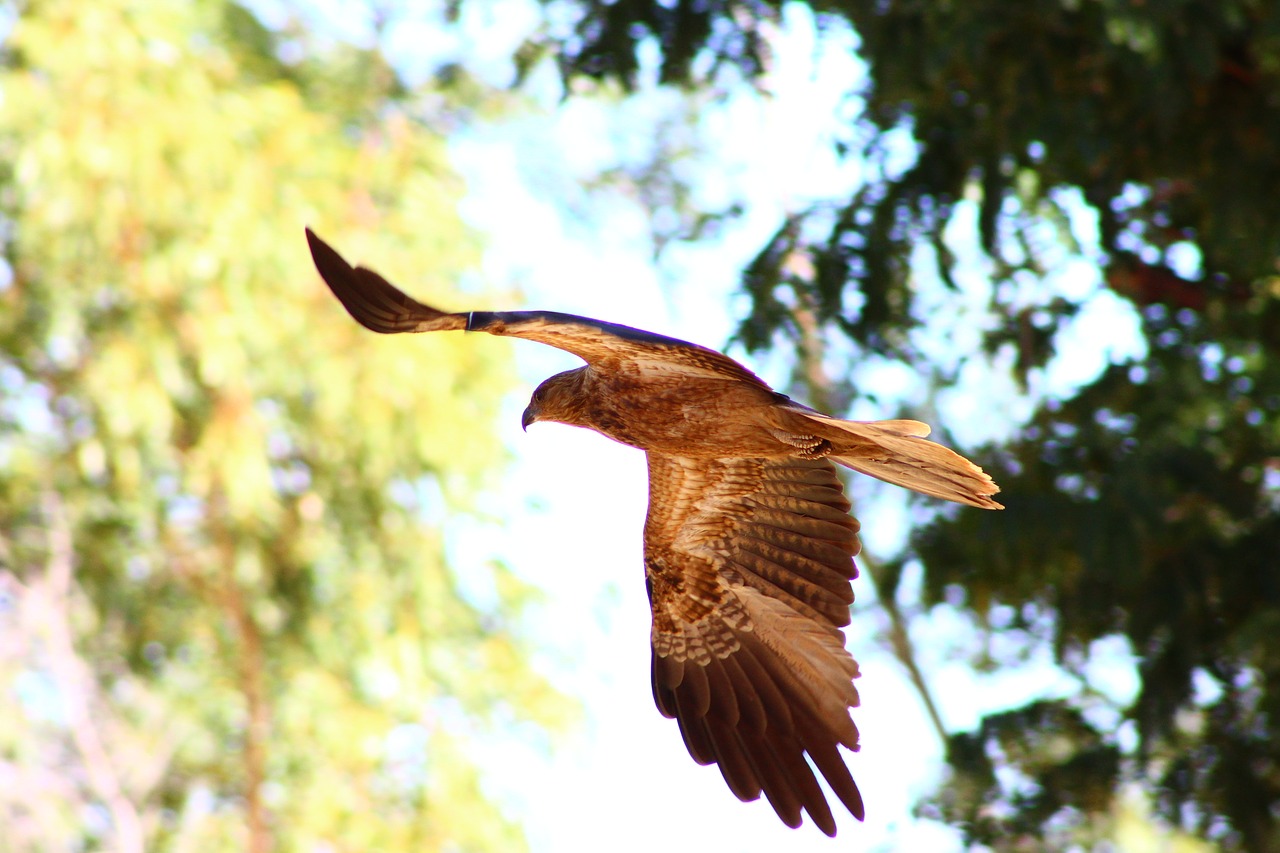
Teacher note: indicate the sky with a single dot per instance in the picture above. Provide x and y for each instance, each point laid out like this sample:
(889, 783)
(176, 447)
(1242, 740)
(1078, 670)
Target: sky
(574, 502)
(577, 500)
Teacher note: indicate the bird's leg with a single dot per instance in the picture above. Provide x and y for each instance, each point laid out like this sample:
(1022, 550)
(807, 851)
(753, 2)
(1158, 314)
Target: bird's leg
(807, 446)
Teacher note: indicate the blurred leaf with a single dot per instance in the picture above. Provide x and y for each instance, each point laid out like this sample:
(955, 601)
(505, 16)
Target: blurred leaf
(279, 654)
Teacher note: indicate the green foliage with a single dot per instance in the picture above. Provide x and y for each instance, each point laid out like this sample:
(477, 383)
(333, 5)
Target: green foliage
(1147, 504)
(226, 621)
(1070, 767)
(1163, 114)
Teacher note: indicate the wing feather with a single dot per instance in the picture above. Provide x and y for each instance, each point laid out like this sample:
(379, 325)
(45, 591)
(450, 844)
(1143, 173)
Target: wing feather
(790, 540)
(374, 302)
(735, 763)
(806, 524)
(793, 568)
(749, 564)
(811, 566)
(693, 694)
(776, 783)
(752, 715)
(830, 763)
(664, 674)
(380, 306)
(724, 707)
(760, 682)
(697, 739)
(802, 781)
(810, 599)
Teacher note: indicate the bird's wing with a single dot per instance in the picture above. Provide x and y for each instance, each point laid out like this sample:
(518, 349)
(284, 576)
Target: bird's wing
(748, 563)
(380, 306)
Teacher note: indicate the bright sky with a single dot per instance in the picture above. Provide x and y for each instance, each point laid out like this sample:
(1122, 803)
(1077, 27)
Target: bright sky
(578, 500)
(575, 501)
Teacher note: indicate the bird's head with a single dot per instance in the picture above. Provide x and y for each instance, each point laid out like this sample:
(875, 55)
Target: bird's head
(557, 399)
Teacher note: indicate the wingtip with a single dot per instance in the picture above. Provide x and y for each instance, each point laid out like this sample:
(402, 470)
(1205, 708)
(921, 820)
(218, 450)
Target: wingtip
(371, 300)
(323, 255)
(326, 259)
(342, 280)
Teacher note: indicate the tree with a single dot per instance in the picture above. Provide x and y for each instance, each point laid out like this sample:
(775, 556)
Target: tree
(226, 619)
(1143, 505)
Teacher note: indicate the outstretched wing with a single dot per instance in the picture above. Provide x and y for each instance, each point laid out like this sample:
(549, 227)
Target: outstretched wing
(748, 563)
(380, 306)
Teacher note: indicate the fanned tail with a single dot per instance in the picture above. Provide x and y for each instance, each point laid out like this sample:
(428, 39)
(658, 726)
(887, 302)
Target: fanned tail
(897, 452)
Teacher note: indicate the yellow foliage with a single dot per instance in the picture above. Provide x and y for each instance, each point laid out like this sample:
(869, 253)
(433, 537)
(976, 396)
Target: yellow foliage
(223, 440)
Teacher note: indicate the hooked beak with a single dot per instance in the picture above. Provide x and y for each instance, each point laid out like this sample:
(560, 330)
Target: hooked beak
(528, 417)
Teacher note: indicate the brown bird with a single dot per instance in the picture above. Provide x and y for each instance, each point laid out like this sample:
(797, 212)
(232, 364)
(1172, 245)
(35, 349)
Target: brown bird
(748, 543)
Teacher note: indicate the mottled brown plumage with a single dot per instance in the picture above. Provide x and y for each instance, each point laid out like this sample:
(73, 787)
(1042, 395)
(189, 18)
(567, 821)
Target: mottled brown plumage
(748, 543)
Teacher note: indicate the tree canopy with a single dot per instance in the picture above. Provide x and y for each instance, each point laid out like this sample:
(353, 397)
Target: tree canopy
(226, 617)
(1143, 505)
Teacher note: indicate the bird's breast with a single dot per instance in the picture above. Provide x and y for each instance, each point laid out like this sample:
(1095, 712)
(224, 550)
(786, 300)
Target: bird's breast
(711, 418)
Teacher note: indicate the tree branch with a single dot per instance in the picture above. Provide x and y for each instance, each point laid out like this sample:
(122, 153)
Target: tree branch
(900, 641)
(252, 673)
(76, 683)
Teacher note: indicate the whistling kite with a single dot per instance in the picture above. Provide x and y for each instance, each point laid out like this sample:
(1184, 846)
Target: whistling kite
(748, 545)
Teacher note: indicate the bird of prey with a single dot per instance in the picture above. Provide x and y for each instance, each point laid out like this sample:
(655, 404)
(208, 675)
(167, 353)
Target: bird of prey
(748, 543)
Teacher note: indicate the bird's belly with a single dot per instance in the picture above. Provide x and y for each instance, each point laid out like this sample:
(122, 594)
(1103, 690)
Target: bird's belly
(698, 422)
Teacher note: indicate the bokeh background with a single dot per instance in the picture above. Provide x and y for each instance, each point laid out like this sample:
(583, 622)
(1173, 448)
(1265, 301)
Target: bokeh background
(269, 582)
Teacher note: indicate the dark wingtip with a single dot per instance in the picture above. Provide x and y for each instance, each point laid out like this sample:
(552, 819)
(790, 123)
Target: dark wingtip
(371, 300)
(336, 273)
(327, 261)
(322, 252)
(342, 280)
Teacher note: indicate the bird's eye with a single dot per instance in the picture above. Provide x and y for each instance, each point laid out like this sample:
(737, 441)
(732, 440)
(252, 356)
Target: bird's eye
(540, 395)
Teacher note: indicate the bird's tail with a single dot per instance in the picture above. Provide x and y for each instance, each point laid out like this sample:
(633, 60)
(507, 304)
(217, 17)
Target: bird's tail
(897, 452)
